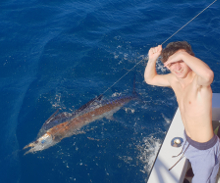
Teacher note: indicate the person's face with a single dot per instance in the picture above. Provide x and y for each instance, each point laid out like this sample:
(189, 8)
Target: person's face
(179, 68)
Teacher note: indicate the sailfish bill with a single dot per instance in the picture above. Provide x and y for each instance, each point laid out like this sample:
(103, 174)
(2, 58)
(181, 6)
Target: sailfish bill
(63, 125)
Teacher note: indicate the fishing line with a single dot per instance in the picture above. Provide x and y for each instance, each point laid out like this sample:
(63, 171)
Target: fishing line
(188, 22)
(146, 58)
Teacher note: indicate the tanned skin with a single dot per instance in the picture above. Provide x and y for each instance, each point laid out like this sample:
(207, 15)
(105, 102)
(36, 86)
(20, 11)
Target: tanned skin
(190, 79)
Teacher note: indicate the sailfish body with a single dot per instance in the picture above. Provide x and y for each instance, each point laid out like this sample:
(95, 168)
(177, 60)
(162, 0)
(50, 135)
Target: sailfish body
(63, 125)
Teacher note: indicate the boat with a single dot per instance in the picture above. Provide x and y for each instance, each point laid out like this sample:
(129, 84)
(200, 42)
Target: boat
(171, 146)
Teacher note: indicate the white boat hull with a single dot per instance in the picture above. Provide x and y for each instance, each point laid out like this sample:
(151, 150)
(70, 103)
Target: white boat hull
(160, 172)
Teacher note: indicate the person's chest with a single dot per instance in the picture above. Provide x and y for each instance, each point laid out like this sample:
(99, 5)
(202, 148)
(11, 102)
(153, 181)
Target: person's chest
(186, 97)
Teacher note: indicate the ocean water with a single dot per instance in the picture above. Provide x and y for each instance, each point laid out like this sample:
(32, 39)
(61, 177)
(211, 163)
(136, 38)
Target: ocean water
(61, 54)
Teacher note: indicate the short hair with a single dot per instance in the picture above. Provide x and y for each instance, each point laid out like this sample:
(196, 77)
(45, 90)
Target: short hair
(173, 47)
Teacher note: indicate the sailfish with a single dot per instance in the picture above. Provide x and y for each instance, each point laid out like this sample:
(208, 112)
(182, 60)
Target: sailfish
(62, 125)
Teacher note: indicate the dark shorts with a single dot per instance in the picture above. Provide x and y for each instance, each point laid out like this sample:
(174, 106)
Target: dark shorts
(204, 158)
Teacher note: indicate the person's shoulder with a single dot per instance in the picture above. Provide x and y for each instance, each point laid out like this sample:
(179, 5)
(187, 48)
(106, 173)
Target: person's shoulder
(172, 80)
(170, 77)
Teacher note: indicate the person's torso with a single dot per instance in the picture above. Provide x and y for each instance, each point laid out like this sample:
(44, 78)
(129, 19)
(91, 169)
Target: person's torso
(195, 104)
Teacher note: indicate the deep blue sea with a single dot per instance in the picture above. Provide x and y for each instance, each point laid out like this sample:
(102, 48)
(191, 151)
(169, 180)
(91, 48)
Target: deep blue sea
(60, 54)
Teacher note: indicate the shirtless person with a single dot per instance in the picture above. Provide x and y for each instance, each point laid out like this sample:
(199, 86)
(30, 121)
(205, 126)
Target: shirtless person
(190, 78)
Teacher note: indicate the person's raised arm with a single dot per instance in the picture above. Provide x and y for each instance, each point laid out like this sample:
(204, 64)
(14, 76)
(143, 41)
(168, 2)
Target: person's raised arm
(150, 75)
(204, 74)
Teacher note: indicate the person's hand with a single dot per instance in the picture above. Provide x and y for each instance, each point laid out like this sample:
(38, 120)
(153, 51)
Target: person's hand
(155, 52)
